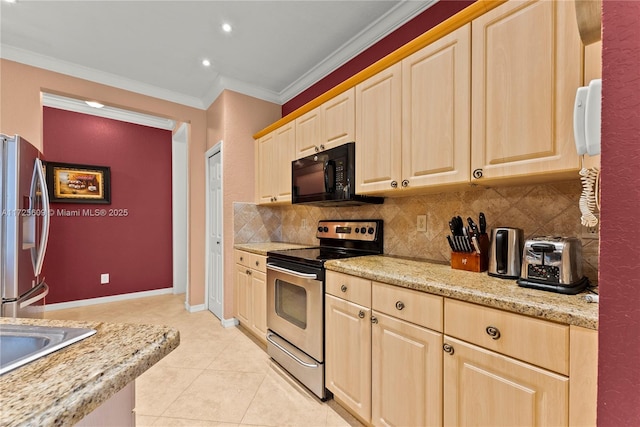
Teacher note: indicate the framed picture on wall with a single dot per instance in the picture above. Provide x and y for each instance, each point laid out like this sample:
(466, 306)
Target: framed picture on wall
(74, 183)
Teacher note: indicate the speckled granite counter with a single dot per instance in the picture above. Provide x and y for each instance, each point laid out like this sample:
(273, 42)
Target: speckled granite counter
(65, 386)
(263, 248)
(480, 288)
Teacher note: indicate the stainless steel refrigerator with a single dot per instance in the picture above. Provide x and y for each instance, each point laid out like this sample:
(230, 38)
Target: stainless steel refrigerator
(25, 228)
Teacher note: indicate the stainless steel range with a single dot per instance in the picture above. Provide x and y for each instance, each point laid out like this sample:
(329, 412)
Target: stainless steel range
(295, 296)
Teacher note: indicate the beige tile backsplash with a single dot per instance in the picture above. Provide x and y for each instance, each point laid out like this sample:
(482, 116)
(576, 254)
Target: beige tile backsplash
(549, 209)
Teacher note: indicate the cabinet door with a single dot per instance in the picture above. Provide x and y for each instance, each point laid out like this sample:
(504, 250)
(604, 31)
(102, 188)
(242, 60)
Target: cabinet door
(526, 68)
(379, 130)
(406, 371)
(436, 97)
(483, 388)
(259, 304)
(309, 133)
(348, 354)
(242, 294)
(266, 155)
(281, 165)
(339, 119)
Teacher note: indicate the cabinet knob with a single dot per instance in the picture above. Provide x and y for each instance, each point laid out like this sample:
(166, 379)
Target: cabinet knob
(493, 332)
(448, 348)
(247, 271)
(322, 146)
(343, 288)
(399, 305)
(394, 184)
(374, 319)
(316, 148)
(257, 263)
(361, 314)
(241, 258)
(275, 199)
(477, 173)
(405, 183)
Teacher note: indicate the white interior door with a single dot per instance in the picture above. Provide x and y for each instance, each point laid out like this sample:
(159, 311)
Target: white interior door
(214, 232)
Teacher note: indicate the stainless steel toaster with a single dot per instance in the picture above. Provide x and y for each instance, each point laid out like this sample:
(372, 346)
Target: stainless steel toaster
(553, 264)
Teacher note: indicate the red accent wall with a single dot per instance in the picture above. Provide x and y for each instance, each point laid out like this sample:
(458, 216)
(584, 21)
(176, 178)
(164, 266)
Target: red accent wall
(428, 19)
(619, 326)
(136, 249)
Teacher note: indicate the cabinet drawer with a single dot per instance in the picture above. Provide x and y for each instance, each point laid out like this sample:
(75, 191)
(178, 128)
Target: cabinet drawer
(413, 306)
(351, 288)
(251, 260)
(536, 341)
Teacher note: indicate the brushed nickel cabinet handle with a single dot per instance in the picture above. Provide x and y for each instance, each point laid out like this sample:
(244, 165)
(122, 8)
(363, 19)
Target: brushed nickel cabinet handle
(399, 305)
(394, 184)
(361, 314)
(448, 348)
(241, 258)
(374, 319)
(322, 146)
(257, 263)
(477, 173)
(405, 183)
(493, 332)
(343, 288)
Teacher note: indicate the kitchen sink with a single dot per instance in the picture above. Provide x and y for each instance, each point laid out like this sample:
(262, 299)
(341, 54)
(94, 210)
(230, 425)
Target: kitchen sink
(21, 344)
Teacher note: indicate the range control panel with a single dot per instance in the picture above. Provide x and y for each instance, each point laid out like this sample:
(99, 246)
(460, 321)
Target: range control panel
(366, 230)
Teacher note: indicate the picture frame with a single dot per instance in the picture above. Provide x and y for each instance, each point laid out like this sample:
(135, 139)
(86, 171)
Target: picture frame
(77, 183)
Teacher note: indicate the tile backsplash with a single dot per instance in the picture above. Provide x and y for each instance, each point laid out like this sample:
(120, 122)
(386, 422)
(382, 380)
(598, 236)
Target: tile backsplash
(548, 209)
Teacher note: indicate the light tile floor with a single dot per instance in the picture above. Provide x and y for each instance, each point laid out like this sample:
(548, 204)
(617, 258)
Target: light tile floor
(216, 377)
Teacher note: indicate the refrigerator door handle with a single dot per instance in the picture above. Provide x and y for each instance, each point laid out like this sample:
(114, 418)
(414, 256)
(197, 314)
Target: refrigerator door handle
(32, 299)
(39, 178)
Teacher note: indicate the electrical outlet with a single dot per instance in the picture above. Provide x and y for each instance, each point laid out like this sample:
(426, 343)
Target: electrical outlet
(104, 278)
(591, 232)
(421, 223)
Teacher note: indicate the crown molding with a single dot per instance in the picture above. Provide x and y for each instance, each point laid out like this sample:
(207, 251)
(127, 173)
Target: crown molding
(399, 15)
(79, 106)
(377, 30)
(70, 69)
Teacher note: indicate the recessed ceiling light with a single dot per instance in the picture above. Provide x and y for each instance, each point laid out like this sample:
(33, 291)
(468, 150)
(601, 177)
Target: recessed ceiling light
(226, 27)
(94, 104)
(206, 62)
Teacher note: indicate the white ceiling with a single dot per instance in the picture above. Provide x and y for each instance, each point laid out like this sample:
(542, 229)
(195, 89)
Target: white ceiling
(276, 49)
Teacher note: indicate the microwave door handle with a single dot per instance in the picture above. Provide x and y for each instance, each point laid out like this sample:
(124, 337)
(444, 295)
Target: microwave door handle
(330, 176)
(38, 178)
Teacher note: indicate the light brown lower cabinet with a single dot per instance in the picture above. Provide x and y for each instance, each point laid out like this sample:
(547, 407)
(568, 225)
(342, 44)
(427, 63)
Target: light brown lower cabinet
(348, 354)
(250, 293)
(485, 388)
(406, 373)
(388, 363)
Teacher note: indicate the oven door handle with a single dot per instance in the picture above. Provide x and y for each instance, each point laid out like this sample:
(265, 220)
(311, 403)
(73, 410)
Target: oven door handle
(288, 353)
(293, 272)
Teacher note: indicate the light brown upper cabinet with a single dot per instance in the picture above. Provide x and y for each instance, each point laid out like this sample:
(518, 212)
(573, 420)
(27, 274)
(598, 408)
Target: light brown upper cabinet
(526, 67)
(412, 120)
(275, 152)
(327, 126)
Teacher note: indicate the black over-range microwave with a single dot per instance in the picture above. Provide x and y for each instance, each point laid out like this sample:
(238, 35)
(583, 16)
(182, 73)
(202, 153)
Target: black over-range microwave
(327, 178)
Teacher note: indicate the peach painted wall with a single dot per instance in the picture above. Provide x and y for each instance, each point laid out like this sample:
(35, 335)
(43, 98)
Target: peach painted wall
(21, 113)
(234, 118)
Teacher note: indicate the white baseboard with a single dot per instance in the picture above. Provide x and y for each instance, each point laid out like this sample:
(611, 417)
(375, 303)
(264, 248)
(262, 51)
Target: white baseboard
(102, 300)
(194, 308)
(230, 323)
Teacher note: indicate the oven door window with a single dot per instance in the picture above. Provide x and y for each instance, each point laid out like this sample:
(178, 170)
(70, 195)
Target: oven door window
(291, 303)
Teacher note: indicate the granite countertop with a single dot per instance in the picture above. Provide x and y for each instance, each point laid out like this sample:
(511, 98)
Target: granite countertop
(480, 288)
(65, 386)
(264, 247)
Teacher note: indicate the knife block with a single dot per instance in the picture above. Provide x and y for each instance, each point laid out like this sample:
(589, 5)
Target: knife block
(473, 261)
